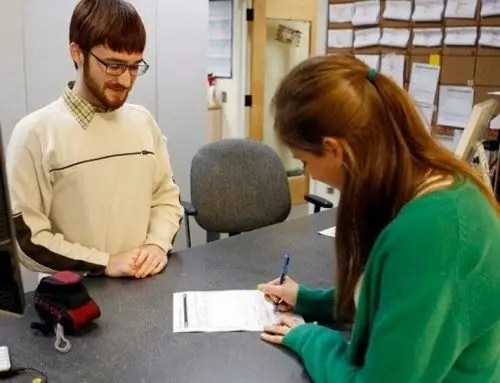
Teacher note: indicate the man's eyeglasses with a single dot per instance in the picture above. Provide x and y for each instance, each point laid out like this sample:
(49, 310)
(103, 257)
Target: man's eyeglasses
(117, 69)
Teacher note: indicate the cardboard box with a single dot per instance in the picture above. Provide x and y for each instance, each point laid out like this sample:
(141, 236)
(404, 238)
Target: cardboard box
(458, 70)
(487, 71)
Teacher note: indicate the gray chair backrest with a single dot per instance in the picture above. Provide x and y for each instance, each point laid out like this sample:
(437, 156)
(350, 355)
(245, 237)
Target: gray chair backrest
(238, 185)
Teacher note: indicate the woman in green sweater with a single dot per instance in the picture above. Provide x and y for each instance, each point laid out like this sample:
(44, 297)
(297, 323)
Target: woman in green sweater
(417, 239)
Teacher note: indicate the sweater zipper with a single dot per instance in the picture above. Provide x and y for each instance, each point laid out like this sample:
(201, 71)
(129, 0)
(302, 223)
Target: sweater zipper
(141, 152)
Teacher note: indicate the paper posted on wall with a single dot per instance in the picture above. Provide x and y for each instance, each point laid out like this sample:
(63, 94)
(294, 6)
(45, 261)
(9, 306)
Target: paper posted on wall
(423, 83)
(455, 105)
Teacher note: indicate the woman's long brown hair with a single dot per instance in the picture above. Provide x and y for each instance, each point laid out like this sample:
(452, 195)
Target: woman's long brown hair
(388, 152)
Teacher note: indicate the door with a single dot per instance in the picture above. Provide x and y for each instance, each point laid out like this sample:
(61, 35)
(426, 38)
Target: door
(283, 33)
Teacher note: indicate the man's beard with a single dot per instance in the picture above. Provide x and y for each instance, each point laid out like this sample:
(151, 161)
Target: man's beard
(98, 92)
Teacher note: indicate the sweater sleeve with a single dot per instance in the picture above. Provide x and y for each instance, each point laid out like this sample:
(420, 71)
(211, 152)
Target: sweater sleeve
(42, 249)
(315, 304)
(416, 330)
(166, 209)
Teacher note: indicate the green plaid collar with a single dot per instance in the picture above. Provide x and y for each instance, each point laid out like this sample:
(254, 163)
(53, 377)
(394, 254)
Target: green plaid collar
(80, 108)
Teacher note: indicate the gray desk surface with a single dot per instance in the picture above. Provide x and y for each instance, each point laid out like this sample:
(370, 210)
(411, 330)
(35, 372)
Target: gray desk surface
(134, 342)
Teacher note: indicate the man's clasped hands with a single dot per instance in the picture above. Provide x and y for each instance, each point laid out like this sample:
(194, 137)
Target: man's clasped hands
(139, 263)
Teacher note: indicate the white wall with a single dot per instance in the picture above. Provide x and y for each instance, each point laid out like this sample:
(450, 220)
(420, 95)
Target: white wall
(280, 58)
(34, 34)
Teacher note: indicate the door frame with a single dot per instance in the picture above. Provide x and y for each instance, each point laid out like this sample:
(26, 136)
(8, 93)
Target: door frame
(299, 10)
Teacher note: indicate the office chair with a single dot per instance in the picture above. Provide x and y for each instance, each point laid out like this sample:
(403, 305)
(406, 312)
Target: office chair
(239, 185)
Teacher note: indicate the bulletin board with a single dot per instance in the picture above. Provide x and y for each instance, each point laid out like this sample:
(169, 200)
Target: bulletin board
(461, 38)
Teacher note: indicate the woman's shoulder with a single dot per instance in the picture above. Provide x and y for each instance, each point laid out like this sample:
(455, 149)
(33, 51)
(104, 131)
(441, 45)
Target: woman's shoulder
(451, 226)
(451, 210)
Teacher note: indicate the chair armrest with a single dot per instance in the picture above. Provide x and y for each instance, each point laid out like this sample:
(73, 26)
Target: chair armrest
(318, 202)
(189, 209)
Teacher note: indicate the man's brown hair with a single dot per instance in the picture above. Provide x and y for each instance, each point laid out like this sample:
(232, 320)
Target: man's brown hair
(113, 23)
(388, 152)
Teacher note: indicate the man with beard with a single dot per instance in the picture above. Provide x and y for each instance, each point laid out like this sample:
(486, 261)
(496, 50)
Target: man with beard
(91, 183)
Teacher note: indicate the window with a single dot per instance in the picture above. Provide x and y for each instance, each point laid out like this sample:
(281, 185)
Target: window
(220, 38)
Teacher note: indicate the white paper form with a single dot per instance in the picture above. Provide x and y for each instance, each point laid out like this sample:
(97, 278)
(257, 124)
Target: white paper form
(340, 38)
(330, 232)
(398, 10)
(462, 36)
(423, 83)
(428, 10)
(490, 8)
(427, 37)
(461, 9)
(373, 61)
(395, 37)
(427, 112)
(341, 13)
(393, 66)
(223, 311)
(366, 12)
(455, 105)
(366, 37)
(490, 37)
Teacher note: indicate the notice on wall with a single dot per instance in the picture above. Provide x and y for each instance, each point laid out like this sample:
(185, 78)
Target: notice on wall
(423, 83)
(455, 105)
(393, 65)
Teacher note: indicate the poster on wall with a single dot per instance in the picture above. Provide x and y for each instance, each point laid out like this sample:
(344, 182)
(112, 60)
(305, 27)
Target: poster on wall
(220, 36)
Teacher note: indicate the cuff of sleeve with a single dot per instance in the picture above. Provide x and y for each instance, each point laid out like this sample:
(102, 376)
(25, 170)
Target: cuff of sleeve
(310, 302)
(100, 258)
(296, 338)
(152, 239)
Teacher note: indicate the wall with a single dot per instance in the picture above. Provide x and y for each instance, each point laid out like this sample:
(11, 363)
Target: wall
(280, 58)
(37, 66)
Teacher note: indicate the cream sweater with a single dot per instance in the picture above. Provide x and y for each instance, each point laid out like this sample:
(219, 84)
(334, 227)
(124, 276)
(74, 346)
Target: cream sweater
(80, 194)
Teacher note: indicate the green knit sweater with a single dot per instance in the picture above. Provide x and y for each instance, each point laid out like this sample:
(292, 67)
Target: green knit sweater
(429, 307)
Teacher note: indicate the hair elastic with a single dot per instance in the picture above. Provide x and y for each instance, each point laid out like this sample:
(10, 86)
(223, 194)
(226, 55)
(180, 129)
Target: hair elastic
(371, 74)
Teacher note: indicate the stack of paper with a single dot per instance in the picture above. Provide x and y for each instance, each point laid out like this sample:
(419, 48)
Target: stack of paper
(427, 37)
(366, 12)
(366, 37)
(423, 86)
(398, 10)
(217, 311)
(395, 37)
(330, 232)
(341, 13)
(373, 61)
(455, 105)
(428, 10)
(461, 9)
(490, 37)
(490, 8)
(340, 38)
(462, 36)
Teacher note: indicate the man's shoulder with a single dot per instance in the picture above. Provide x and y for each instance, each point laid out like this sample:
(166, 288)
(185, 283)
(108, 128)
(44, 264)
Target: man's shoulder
(31, 124)
(137, 110)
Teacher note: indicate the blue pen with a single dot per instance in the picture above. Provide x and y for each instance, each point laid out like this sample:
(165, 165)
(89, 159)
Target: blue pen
(284, 271)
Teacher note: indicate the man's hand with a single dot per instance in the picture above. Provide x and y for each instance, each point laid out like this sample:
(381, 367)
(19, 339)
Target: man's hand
(152, 259)
(123, 264)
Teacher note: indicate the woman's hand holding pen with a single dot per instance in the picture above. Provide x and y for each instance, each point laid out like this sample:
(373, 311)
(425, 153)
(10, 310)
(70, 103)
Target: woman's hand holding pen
(286, 293)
